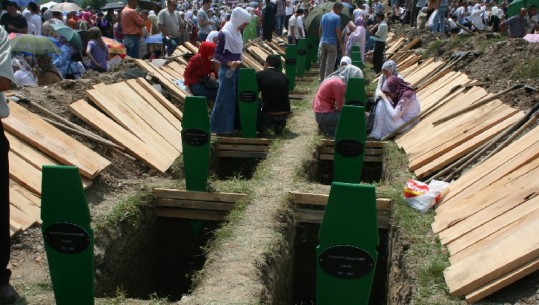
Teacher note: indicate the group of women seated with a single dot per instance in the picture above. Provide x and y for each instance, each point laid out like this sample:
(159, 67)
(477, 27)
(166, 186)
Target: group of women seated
(396, 102)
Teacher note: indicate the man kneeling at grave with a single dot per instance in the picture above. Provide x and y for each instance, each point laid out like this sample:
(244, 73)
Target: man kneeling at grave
(275, 104)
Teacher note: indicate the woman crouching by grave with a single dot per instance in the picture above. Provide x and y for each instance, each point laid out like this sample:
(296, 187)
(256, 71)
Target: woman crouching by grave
(400, 107)
(329, 98)
(388, 68)
(228, 53)
(199, 75)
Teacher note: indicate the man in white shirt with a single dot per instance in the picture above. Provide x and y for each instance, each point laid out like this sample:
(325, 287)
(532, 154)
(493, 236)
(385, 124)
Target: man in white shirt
(35, 19)
(295, 27)
(289, 11)
(168, 21)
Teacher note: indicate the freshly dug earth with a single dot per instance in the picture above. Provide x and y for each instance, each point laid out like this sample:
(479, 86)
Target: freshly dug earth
(497, 61)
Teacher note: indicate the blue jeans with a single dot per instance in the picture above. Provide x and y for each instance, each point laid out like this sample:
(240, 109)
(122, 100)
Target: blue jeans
(327, 122)
(280, 24)
(438, 23)
(198, 90)
(170, 45)
(224, 111)
(132, 45)
(202, 37)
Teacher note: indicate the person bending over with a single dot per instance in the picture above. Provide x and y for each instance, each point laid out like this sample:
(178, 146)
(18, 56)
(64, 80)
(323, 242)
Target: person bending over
(199, 73)
(273, 86)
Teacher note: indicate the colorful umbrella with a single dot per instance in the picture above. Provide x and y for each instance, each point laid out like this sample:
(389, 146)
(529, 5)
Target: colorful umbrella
(66, 7)
(33, 44)
(114, 46)
(68, 33)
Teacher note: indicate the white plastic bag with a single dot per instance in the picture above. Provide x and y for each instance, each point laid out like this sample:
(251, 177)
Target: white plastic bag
(421, 196)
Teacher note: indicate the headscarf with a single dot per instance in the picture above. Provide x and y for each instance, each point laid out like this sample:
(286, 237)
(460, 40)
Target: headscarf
(397, 87)
(233, 38)
(206, 50)
(359, 34)
(358, 13)
(212, 35)
(86, 16)
(345, 73)
(347, 60)
(390, 66)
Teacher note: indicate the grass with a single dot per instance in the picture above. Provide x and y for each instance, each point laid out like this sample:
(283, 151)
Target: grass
(528, 69)
(432, 48)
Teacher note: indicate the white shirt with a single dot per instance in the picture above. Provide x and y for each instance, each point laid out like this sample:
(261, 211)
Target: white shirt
(289, 10)
(300, 31)
(36, 21)
(381, 33)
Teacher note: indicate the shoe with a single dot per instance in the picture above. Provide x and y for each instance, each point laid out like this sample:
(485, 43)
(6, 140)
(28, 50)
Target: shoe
(8, 295)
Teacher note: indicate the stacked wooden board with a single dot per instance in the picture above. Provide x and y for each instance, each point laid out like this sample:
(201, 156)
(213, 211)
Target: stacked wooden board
(136, 117)
(489, 221)
(430, 148)
(34, 143)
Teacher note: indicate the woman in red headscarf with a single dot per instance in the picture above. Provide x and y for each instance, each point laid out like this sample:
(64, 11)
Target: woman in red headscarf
(200, 74)
(400, 106)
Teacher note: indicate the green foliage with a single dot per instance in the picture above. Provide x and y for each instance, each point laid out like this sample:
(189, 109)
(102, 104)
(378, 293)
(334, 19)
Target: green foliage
(432, 48)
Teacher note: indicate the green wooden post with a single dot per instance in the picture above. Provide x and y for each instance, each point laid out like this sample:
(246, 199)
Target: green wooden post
(196, 143)
(302, 57)
(248, 102)
(69, 240)
(310, 50)
(355, 55)
(347, 253)
(291, 62)
(316, 44)
(349, 149)
(355, 92)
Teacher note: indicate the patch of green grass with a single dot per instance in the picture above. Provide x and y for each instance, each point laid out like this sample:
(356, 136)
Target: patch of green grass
(528, 69)
(432, 48)
(128, 209)
(482, 44)
(156, 300)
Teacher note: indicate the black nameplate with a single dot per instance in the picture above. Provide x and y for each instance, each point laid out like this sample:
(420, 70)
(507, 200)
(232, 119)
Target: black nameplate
(302, 52)
(248, 96)
(195, 137)
(67, 238)
(355, 103)
(290, 61)
(346, 262)
(310, 46)
(349, 148)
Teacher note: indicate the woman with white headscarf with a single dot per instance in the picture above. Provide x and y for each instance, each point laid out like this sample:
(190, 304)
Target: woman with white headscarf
(212, 36)
(228, 53)
(388, 68)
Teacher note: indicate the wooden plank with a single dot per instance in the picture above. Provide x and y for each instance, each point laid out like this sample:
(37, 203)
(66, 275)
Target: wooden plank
(382, 204)
(158, 106)
(145, 112)
(122, 114)
(193, 204)
(24, 173)
(21, 218)
(231, 140)
(159, 97)
(21, 191)
(483, 197)
(316, 216)
(20, 198)
(368, 151)
(368, 144)
(373, 159)
(191, 47)
(53, 142)
(198, 196)
(513, 247)
(518, 154)
(177, 67)
(190, 214)
(164, 81)
(503, 281)
(242, 154)
(28, 153)
(239, 147)
(146, 153)
(14, 227)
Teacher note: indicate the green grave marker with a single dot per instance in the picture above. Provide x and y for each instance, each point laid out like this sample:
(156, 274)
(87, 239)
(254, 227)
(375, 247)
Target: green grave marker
(346, 255)
(355, 92)
(310, 51)
(316, 44)
(302, 57)
(69, 240)
(355, 55)
(291, 62)
(349, 149)
(196, 143)
(248, 102)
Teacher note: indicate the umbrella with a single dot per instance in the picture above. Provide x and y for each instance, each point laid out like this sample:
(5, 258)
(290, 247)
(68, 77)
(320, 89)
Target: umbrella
(312, 23)
(13, 35)
(114, 46)
(66, 7)
(533, 38)
(68, 33)
(150, 5)
(515, 6)
(113, 6)
(48, 4)
(154, 39)
(33, 44)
